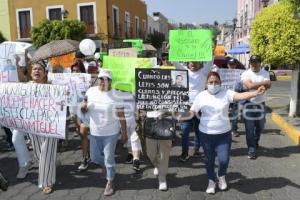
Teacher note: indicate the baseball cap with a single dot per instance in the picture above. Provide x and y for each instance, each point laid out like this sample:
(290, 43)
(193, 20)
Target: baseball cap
(231, 61)
(104, 73)
(255, 58)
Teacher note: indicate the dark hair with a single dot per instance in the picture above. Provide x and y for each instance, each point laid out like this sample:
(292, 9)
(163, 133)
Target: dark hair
(80, 65)
(213, 74)
(78, 54)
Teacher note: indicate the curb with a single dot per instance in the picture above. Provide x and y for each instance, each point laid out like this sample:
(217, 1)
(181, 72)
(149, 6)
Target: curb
(288, 129)
(284, 78)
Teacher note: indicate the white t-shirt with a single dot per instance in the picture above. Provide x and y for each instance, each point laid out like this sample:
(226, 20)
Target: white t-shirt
(197, 80)
(214, 111)
(129, 106)
(262, 75)
(102, 107)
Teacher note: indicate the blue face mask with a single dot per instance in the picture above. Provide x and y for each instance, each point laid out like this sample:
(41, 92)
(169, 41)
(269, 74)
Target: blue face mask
(213, 89)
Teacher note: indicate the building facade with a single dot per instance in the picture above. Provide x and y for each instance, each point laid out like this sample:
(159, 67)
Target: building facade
(5, 19)
(106, 20)
(159, 23)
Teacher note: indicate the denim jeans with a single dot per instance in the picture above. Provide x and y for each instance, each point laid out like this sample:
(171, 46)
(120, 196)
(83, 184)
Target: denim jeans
(254, 118)
(185, 127)
(234, 115)
(102, 150)
(220, 144)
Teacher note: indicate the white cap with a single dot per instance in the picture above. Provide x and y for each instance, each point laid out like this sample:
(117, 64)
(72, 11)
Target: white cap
(105, 73)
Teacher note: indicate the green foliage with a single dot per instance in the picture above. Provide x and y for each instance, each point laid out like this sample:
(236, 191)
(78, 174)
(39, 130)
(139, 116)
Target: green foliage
(49, 30)
(275, 34)
(156, 39)
(2, 38)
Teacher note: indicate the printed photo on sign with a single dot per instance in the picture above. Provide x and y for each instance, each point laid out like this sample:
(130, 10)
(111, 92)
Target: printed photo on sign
(179, 79)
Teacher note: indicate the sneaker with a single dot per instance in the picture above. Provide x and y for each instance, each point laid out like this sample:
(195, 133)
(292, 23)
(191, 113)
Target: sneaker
(84, 165)
(197, 153)
(136, 165)
(235, 134)
(22, 173)
(211, 188)
(222, 183)
(155, 171)
(109, 190)
(3, 183)
(184, 157)
(252, 156)
(129, 159)
(163, 186)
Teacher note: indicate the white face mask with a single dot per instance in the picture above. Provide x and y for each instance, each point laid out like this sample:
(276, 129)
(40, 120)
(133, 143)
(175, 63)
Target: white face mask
(213, 89)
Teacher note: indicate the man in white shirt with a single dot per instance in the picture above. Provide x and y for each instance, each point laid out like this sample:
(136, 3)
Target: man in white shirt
(197, 72)
(254, 110)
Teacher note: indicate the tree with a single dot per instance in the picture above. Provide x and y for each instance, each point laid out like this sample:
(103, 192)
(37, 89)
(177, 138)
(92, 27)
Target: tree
(156, 39)
(2, 38)
(49, 30)
(275, 34)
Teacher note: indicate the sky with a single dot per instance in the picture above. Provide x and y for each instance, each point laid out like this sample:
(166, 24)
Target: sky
(194, 11)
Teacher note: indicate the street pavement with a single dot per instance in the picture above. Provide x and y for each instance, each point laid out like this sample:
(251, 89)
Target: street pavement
(274, 175)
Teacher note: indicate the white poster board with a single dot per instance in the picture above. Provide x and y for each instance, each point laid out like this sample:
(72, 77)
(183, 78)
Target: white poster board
(34, 108)
(78, 84)
(124, 52)
(229, 77)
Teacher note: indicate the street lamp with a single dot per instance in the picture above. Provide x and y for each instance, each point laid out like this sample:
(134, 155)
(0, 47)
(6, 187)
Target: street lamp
(265, 3)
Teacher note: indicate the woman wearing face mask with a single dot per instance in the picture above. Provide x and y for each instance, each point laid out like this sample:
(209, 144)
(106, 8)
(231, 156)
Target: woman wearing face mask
(214, 127)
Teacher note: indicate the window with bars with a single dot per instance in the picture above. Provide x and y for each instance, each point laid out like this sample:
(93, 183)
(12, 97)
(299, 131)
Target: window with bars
(24, 24)
(87, 16)
(55, 14)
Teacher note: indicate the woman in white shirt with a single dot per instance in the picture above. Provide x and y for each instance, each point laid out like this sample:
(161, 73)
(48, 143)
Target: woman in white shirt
(106, 112)
(215, 129)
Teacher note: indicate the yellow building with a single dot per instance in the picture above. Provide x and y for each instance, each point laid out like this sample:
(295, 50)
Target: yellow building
(4, 19)
(106, 20)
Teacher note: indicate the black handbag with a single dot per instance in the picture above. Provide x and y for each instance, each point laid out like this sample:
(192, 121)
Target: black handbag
(159, 128)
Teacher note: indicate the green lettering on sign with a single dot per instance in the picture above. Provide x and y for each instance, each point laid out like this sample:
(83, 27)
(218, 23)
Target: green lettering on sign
(190, 45)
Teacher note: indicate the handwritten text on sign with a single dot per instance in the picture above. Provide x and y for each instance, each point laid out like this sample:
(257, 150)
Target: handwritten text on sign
(230, 77)
(190, 45)
(161, 89)
(77, 82)
(34, 108)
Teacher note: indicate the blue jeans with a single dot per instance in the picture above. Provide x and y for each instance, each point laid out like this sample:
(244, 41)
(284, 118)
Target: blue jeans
(102, 150)
(254, 118)
(185, 127)
(234, 115)
(220, 144)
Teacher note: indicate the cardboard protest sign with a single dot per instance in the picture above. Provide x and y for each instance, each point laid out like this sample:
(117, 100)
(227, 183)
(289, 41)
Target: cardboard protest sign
(8, 69)
(78, 84)
(136, 43)
(162, 89)
(190, 45)
(123, 70)
(229, 77)
(124, 52)
(34, 108)
(65, 61)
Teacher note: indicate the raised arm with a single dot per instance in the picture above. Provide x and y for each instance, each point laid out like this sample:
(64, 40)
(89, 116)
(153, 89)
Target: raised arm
(247, 95)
